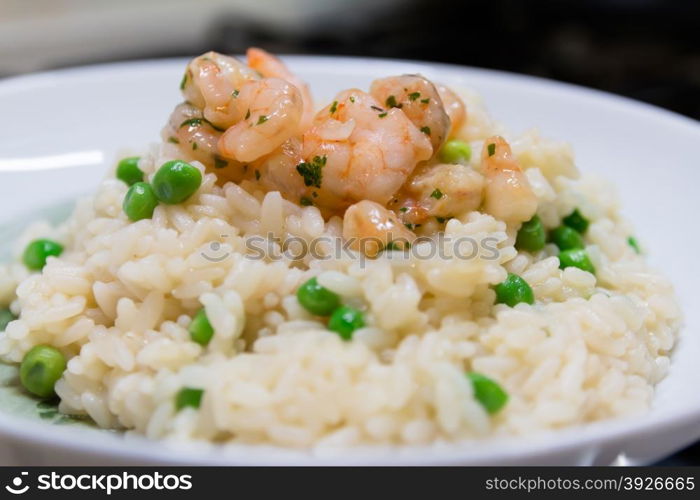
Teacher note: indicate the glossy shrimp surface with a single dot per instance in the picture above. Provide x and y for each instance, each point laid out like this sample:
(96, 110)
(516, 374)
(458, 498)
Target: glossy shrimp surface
(271, 111)
(270, 66)
(360, 150)
(441, 191)
(454, 107)
(371, 228)
(212, 82)
(507, 193)
(419, 100)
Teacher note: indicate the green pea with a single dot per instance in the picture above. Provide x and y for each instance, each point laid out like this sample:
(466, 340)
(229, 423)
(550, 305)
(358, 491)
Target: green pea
(566, 238)
(176, 181)
(140, 202)
(40, 370)
(345, 320)
(188, 397)
(513, 291)
(577, 257)
(576, 221)
(5, 317)
(38, 251)
(201, 330)
(128, 170)
(317, 299)
(531, 236)
(488, 392)
(456, 151)
(632, 241)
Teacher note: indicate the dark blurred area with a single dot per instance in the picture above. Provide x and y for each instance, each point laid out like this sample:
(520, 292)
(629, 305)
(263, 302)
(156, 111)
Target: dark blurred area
(644, 49)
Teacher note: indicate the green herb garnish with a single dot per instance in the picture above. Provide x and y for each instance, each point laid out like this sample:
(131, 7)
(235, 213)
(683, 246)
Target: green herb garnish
(312, 171)
(414, 95)
(425, 130)
(196, 122)
(491, 149)
(437, 194)
(334, 107)
(220, 162)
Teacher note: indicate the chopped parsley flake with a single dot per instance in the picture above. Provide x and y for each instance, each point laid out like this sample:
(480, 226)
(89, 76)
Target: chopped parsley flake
(173, 140)
(352, 99)
(414, 95)
(247, 115)
(412, 226)
(192, 122)
(403, 210)
(425, 130)
(437, 194)
(312, 171)
(220, 162)
(382, 115)
(194, 146)
(305, 202)
(392, 245)
(426, 100)
(183, 82)
(377, 108)
(334, 107)
(196, 122)
(257, 174)
(491, 149)
(235, 93)
(391, 102)
(262, 120)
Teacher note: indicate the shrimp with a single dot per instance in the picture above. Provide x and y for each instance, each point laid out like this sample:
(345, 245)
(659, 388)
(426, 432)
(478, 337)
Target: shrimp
(356, 150)
(371, 228)
(270, 66)
(277, 171)
(440, 191)
(507, 194)
(271, 111)
(454, 107)
(212, 82)
(419, 100)
(197, 139)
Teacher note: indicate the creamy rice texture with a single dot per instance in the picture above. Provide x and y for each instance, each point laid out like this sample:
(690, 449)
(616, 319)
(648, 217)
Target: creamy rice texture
(119, 300)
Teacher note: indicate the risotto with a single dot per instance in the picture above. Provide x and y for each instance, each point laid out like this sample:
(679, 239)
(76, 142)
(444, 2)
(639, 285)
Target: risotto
(396, 268)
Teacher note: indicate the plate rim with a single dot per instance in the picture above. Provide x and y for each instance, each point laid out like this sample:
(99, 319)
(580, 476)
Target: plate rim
(592, 434)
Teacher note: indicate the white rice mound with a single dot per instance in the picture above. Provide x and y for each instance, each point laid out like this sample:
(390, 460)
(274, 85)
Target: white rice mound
(119, 300)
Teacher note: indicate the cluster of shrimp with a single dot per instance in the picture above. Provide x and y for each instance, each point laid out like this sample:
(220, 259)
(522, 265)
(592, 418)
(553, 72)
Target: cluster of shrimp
(368, 156)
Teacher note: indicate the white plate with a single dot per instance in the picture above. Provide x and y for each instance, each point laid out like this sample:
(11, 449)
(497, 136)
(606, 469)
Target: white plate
(84, 116)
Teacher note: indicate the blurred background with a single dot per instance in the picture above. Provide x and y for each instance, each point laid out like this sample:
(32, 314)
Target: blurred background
(644, 49)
